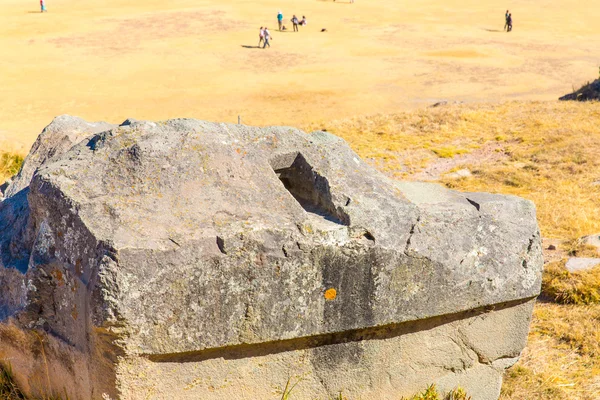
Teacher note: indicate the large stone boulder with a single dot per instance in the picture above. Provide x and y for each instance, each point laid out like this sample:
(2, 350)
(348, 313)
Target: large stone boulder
(194, 260)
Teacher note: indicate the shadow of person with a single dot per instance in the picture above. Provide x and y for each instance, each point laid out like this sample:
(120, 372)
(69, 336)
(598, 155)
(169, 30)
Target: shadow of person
(250, 47)
(492, 30)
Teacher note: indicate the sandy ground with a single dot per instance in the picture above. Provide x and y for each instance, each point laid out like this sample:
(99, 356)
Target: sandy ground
(157, 59)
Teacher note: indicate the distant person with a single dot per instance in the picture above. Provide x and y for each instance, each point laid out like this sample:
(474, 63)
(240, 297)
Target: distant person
(509, 22)
(267, 38)
(261, 36)
(506, 20)
(303, 22)
(279, 19)
(295, 23)
(43, 6)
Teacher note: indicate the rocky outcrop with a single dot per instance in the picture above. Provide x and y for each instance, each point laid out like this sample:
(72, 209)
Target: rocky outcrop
(590, 91)
(187, 259)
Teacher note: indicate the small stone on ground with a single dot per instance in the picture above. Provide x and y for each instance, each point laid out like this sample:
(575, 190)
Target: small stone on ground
(577, 264)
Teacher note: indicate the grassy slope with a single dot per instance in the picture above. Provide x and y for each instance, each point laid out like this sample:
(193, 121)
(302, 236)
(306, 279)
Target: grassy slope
(548, 153)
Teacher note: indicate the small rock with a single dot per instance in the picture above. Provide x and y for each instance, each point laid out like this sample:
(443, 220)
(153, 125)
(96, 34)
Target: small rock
(461, 173)
(592, 240)
(552, 247)
(576, 264)
(440, 103)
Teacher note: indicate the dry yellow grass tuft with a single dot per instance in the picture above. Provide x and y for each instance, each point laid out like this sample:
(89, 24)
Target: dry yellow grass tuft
(10, 163)
(562, 286)
(431, 393)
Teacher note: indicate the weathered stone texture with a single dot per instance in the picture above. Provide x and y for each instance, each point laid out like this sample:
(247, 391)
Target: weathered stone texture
(213, 260)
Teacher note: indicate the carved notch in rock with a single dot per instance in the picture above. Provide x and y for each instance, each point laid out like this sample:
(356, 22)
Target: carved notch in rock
(311, 190)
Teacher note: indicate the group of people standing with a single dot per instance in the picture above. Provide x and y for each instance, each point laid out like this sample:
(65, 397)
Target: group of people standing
(508, 21)
(264, 36)
(295, 22)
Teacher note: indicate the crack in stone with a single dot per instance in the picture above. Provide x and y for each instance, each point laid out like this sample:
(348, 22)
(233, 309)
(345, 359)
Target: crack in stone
(474, 203)
(411, 233)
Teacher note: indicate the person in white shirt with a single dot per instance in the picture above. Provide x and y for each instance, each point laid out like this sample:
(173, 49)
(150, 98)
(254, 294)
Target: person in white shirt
(267, 37)
(261, 36)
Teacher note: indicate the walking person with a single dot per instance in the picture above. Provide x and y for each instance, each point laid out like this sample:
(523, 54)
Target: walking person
(279, 19)
(295, 23)
(267, 38)
(506, 20)
(509, 22)
(43, 6)
(261, 36)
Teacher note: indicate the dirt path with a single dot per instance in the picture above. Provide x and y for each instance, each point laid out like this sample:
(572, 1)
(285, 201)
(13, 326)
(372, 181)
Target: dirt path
(160, 59)
(490, 153)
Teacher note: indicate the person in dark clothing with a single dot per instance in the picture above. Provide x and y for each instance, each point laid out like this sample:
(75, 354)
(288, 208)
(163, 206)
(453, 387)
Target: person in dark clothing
(509, 23)
(295, 23)
(506, 20)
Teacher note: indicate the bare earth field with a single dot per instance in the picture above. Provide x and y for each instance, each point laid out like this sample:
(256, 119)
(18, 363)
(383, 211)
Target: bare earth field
(113, 59)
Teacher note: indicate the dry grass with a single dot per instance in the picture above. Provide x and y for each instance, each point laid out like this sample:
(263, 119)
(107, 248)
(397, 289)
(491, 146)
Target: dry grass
(550, 156)
(562, 286)
(562, 358)
(10, 391)
(8, 388)
(10, 163)
(431, 393)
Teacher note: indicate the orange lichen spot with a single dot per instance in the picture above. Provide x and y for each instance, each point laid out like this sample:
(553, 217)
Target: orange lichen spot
(330, 294)
(58, 275)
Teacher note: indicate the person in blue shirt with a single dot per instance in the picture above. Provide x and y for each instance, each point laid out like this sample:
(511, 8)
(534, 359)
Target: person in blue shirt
(279, 19)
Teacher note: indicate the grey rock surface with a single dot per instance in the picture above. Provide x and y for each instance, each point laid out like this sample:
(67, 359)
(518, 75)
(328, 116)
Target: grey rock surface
(58, 137)
(177, 242)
